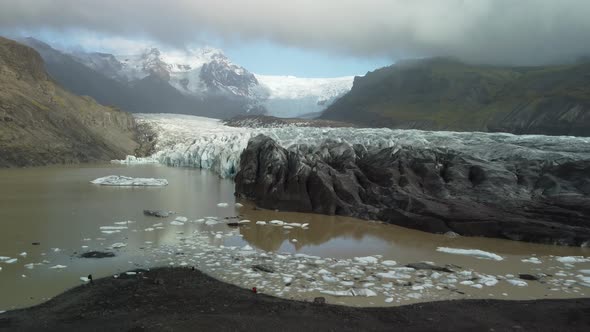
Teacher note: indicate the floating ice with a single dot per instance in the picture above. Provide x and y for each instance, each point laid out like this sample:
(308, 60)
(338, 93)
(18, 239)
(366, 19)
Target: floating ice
(573, 259)
(176, 223)
(11, 261)
(389, 263)
(125, 181)
(23, 254)
(277, 222)
(58, 267)
(532, 260)
(239, 205)
(181, 219)
(585, 271)
(113, 227)
(471, 252)
(211, 222)
(222, 204)
(517, 282)
(84, 279)
(366, 260)
(260, 222)
(118, 245)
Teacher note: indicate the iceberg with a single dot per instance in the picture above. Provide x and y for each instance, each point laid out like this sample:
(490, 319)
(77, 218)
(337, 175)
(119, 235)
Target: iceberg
(471, 252)
(125, 181)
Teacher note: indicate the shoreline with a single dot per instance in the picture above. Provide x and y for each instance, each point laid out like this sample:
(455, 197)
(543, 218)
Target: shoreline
(183, 299)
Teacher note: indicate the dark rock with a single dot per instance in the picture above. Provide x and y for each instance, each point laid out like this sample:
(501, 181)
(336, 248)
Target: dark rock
(434, 190)
(525, 276)
(36, 243)
(319, 300)
(97, 254)
(234, 224)
(428, 266)
(263, 268)
(156, 213)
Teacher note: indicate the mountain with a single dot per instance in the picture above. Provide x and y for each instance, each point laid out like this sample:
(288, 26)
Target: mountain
(42, 123)
(201, 81)
(445, 94)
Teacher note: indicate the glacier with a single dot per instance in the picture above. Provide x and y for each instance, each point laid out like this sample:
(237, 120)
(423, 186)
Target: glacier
(192, 141)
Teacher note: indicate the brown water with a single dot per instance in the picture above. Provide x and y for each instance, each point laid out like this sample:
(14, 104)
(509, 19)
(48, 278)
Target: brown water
(58, 207)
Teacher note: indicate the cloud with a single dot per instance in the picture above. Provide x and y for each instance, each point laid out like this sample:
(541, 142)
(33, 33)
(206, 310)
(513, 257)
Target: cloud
(484, 31)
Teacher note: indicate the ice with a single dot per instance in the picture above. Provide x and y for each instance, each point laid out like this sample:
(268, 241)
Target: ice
(113, 227)
(125, 181)
(222, 204)
(517, 282)
(84, 279)
(110, 232)
(118, 245)
(573, 259)
(294, 240)
(471, 252)
(238, 205)
(11, 261)
(58, 267)
(277, 222)
(338, 293)
(366, 260)
(4, 258)
(532, 260)
(211, 222)
(181, 219)
(585, 271)
(176, 223)
(260, 222)
(30, 266)
(191, 141)
(23, 254)
(389, 263)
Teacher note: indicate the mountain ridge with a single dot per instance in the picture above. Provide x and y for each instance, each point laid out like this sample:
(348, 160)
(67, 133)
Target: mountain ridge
(42, 123)
(446, 94)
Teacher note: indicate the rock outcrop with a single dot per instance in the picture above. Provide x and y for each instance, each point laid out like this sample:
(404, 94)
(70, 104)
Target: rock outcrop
(434, 190)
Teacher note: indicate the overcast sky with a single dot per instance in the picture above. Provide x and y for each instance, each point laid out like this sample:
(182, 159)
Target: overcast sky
(344, 34)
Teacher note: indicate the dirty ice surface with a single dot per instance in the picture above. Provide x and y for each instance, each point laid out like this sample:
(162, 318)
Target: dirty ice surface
(192, 141)
(126, 181)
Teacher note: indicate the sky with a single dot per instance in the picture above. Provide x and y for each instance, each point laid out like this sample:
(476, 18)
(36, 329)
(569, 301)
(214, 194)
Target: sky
(323, 37)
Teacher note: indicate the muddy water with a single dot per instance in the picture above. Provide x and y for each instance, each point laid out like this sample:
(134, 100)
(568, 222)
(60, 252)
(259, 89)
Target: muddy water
(58, 208)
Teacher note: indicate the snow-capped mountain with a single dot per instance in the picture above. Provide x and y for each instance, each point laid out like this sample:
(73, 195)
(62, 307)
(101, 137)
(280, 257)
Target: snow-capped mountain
(205, 72)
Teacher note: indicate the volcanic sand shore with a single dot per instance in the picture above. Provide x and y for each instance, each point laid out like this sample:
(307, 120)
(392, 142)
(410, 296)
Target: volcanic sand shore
(182, 299)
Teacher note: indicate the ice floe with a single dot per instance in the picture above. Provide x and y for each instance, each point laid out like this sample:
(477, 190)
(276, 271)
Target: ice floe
(573, 259)
(471, 252)
(125, 181)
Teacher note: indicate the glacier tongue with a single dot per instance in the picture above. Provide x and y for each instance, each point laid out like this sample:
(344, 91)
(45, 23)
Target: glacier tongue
(192, 141)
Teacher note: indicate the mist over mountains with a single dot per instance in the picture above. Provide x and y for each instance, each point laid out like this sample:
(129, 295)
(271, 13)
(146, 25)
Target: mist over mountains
(199, 82)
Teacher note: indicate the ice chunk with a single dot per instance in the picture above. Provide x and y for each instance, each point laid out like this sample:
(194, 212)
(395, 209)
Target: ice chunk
(532, 260)
(181, 219)
(176, 223)
(389, 300)
(238, 205)
(471, 252)
(222, 204)
(366, 260)
(389, 263)
(11, 261)
(294, 240)
(243, 221)
(585, 271)
(125, 181)
(517, 282)
(58, 267)
(23, 254)
(211, 222)
(4, 258)
(110, 232)
(260, 222)
(30, 266)
(113, 227)
(363, 292)
(573, 259)
(338, 293)
(118, 245)
(277, 222)
(84, 279)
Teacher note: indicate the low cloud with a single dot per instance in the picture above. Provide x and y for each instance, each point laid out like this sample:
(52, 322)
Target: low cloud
(523, 32)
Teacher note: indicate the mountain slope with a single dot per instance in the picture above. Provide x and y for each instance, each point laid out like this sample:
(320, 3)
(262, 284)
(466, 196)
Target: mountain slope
(42, 123)
(444, 94)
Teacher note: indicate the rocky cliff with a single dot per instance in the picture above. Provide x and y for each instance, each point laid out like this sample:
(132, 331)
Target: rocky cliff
(445, 94)
(41, 123)
(430, 189)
